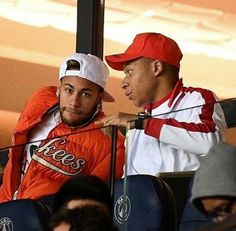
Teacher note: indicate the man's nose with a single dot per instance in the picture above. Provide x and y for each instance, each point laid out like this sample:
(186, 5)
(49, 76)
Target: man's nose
(75, 100)
(124, 84)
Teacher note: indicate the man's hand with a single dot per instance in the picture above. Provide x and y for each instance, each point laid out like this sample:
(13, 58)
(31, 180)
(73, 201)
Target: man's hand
(119, 119)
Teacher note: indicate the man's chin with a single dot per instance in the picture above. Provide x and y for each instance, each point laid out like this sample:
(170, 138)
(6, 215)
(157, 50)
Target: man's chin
(72, 122)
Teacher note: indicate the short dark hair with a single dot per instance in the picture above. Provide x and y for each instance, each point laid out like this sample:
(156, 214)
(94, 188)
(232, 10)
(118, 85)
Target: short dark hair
(172, 68)
(86, 218)
(72, 65)
(83, 187)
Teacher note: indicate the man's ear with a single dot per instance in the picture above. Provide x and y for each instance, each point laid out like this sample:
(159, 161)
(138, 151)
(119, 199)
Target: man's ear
(99, 101)
(100, 96)
(158, 67)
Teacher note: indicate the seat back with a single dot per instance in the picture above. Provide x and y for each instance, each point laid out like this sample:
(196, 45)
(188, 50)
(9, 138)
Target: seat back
(192, 219)
(189, 218)
(179, 184)
(3, 161)
(148, 204)
(229, 109)
(24, 215)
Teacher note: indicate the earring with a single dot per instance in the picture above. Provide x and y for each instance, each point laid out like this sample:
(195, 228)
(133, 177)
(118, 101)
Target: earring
(57, 93)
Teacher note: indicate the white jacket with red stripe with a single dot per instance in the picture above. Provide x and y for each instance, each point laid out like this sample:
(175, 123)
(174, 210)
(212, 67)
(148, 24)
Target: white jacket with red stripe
(183, 127)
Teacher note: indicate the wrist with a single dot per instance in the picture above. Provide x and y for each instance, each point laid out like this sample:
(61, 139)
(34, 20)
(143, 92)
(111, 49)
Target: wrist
(141, 121)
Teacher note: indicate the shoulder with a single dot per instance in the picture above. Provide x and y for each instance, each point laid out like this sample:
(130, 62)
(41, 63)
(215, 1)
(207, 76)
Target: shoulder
(200, 93)
(45, 95)
(45, 91)
(40, 101)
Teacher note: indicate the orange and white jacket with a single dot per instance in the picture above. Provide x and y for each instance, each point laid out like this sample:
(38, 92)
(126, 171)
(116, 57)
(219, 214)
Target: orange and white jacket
(66, 152)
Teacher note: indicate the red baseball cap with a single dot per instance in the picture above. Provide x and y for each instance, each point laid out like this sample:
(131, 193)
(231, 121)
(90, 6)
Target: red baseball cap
(149, 45)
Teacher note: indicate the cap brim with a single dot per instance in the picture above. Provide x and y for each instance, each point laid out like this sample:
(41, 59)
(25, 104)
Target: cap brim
(107, 97)
(117, 61)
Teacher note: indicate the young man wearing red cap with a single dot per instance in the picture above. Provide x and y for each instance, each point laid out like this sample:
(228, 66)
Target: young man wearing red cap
(179, 124)
(56, 137)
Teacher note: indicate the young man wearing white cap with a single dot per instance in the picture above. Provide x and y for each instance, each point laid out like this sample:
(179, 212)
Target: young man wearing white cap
(60, 136)
(179, 124)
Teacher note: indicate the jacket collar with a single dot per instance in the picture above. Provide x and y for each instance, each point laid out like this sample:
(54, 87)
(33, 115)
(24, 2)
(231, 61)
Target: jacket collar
(172, 97)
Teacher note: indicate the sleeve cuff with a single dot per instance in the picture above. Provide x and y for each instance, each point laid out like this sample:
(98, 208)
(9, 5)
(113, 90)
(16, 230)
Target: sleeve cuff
(153, 127)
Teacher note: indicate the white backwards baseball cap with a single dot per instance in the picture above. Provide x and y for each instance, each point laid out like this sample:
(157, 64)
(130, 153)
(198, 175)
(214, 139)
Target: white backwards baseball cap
(91, 68)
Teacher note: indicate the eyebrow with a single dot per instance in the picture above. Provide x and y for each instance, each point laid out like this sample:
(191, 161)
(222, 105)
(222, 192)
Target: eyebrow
(128, 66)
(69, 85)
(86, 89)
(82, 89)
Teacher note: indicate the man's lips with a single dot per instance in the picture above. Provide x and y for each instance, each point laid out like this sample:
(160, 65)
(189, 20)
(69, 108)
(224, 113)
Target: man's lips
(71, 110)
(129, 95)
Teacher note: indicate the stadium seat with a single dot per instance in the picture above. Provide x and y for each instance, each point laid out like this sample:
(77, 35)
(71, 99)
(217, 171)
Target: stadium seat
(188, 218)
(147, 204)
(3, 161)
(229, 109)
(24, 215)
